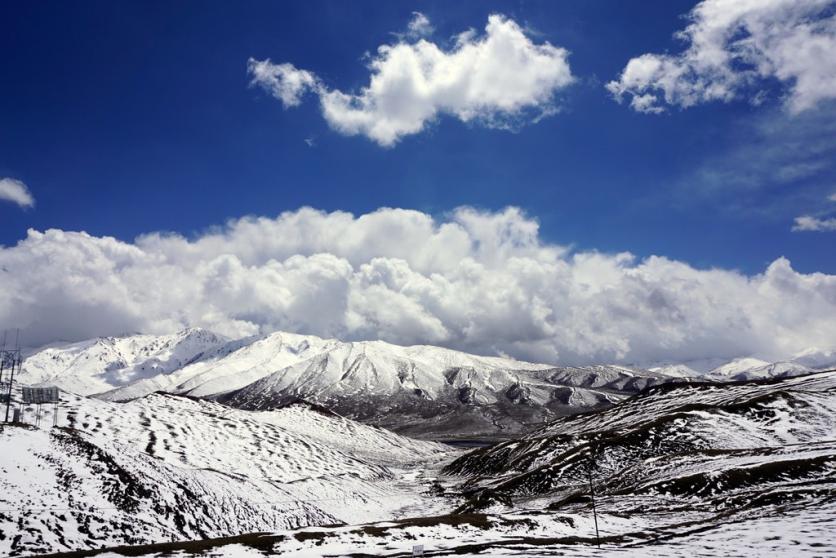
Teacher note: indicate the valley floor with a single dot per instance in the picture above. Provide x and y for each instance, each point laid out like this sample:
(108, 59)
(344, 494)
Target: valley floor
(784, 532)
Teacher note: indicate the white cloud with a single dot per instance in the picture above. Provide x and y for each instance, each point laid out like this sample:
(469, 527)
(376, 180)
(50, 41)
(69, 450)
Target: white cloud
(16, 191)
(499, 79)
(477, 281)
(816, 224)
(419, 26)
(810, 223)
(284, 81)
(733, 49)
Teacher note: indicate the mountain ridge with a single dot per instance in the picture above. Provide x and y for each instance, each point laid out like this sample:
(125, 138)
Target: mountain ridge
(419, 390)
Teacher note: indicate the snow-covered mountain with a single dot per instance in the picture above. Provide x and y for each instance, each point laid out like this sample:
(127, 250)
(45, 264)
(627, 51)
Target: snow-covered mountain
(257, 358)
(103, 363)
(421, 390)
(755, 369)
(431, 392)
(749, 368)
(166, 468)
(818, 359)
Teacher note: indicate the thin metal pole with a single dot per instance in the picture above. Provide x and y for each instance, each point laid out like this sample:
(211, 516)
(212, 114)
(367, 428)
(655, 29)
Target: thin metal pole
(2, 363)
(16, 361)
(9, 393)
(592, 496)
(2, 357)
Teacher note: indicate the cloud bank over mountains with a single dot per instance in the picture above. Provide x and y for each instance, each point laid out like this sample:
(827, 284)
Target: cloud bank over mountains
(498, 79)
(479, 281)
(734, 49)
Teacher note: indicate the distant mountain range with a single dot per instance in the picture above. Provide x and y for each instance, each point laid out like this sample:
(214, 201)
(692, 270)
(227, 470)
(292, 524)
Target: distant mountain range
(423, 391)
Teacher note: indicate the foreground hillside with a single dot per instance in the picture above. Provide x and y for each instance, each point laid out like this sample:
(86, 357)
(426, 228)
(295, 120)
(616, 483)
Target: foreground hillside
(166, 468)
(691, 470)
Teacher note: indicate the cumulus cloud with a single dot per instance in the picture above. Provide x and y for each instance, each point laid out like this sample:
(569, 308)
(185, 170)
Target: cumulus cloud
(16, 191)
(734, 49)
(479, 281)
(498, 79)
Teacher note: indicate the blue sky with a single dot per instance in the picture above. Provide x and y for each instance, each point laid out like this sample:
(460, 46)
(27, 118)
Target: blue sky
(129, 118)
(126, 120)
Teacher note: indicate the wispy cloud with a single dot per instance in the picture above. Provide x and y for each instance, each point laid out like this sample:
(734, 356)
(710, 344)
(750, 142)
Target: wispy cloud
(817, 223)
(733, 49)
(16, 191)
(419, 27)
(809, 223)
(498, 79)
(284, 81)
(771, 163)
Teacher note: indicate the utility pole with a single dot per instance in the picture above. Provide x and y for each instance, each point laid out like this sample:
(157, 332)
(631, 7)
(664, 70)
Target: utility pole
(8, 355)
(12, 358)
(2, 359)
(591, 463)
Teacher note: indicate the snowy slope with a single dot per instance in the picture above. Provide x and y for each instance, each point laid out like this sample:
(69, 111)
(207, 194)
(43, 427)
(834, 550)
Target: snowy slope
(101, 364)
(755, 369)
(268, 355)
(423, 391)
(749, 368)
(675, 370)
(818, 359)
(795, 533)
(168, 468)
(676, 459)
(737, 366)
(737, 470)
(431, 392)
(686, 440)
(236, 365)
